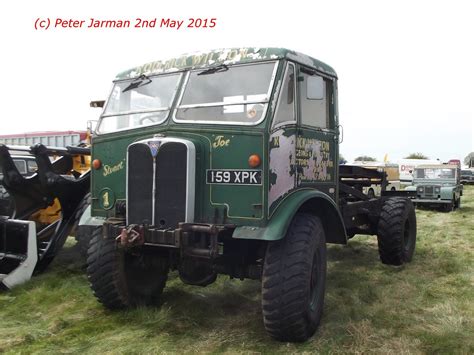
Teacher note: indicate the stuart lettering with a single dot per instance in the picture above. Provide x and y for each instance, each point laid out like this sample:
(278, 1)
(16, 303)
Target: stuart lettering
(113, 169)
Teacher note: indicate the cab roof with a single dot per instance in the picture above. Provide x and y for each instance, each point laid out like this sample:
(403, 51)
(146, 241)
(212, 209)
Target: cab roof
(224, 56)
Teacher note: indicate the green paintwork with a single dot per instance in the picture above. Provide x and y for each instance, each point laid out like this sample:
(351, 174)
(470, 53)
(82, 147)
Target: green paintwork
(277, 227)
(243, 202)
(245, 206)
(224, 56)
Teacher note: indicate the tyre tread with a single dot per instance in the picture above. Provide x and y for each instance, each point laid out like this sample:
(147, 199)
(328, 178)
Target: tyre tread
(286, 272)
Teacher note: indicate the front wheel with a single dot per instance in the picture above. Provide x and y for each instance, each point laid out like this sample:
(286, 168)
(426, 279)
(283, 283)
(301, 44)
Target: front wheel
(457, 203)
(122, 278)
(294, 280)
(448, 207)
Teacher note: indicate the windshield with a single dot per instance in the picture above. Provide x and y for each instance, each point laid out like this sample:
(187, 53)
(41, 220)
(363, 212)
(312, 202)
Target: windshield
(139, 102)
(435, 173)
(227, 94)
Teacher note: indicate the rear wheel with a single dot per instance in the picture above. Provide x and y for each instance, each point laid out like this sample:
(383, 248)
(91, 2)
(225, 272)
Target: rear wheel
(397, 231)
(121, 278)
(294, 280)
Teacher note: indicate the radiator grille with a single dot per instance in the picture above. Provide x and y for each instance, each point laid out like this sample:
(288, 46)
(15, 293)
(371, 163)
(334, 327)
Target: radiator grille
(139, 184)
(170, 198)
(157, 183)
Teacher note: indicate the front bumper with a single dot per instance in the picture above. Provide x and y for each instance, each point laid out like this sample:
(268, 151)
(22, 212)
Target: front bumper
(181, 238)
(430, 201)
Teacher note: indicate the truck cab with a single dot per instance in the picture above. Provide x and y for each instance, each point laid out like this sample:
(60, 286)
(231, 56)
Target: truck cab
(236, 127)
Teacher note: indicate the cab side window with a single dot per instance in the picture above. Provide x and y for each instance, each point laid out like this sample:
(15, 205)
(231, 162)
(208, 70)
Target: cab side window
(285, 111)
(316, 100)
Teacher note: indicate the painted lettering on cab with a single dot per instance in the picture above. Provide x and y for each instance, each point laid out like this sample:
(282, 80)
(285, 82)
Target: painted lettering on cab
(220, 142)
(110, 169)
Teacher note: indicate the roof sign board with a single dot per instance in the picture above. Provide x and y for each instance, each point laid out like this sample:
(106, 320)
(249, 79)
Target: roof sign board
(224, 56)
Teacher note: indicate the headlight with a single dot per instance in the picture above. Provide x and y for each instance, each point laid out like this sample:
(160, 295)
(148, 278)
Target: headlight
(420, 189)
(437, 189)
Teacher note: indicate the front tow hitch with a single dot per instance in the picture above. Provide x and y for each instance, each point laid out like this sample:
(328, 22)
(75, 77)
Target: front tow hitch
(131, 236)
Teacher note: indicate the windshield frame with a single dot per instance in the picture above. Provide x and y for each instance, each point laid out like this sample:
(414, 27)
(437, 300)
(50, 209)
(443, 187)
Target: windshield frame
(456, 175)
(130, 112)
(217, 104)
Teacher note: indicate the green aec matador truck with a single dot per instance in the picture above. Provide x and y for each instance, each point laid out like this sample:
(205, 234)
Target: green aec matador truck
(226, 162)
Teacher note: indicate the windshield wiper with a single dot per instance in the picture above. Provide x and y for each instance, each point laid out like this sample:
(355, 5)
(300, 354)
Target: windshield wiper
(142, 80)
(216, 69)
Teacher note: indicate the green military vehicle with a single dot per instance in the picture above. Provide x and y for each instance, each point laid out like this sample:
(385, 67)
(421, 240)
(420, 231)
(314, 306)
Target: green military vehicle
(437, 185)
(226, 162)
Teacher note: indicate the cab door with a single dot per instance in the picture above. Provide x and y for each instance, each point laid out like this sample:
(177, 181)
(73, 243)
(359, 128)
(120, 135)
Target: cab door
(317, 138)
(282, 144)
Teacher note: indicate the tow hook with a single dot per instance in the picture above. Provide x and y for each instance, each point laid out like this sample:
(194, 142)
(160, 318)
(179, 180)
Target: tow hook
(130, 236)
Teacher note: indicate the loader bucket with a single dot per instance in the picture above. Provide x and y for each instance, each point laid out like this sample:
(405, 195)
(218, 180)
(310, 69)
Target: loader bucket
(29, 194)
(31, 239)
(18, 252)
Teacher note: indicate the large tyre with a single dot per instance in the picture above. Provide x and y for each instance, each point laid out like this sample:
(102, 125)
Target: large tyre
(397, 231)
(121, 279)
(294, 280)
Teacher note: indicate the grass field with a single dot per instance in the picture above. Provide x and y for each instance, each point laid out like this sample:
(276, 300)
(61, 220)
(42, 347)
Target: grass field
(426, 306)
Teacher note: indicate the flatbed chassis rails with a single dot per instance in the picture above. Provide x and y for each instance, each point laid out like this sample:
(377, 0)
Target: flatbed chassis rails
(360, 212)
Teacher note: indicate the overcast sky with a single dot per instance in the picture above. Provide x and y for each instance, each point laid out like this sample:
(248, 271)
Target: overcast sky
(406, 68)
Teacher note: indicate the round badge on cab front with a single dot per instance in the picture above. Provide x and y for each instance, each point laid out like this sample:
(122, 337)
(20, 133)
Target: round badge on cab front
(106, 198)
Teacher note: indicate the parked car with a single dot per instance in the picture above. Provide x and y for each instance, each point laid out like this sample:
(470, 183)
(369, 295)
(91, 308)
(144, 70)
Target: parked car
(467, 177)
(437, 185)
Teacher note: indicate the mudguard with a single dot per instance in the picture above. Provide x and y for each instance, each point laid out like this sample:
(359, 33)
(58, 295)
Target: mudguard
(308, 200)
